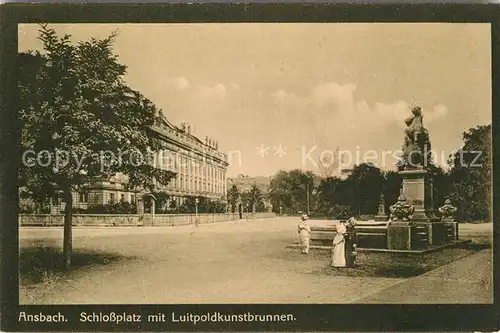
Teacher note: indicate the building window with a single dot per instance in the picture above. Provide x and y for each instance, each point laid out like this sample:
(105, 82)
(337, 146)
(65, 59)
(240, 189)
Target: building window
(159, 160)
(83, 197)
(132, 198)
(122, 197)
(112, 197)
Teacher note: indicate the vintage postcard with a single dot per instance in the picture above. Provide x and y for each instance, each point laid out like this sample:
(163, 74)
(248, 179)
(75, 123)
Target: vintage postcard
(201, 172)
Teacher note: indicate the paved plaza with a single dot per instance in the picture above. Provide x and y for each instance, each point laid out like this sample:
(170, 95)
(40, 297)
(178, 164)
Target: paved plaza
(235, 262)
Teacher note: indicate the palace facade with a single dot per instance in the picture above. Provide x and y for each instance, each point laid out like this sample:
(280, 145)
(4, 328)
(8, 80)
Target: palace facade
(199, 166)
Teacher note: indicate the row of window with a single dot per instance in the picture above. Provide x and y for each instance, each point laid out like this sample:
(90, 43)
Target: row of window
(84, 197)
(121, 197)
(196, 184)
(188, 165)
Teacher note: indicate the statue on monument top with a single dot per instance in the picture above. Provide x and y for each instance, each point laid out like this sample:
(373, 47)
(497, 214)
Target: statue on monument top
(417, 146)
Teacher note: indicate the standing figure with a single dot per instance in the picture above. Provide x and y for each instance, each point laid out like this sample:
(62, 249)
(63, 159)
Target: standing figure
(339, 246)
(350, 243)
(304, 230)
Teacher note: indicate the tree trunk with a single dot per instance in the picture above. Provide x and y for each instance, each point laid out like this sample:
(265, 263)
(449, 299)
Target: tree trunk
(68, 236)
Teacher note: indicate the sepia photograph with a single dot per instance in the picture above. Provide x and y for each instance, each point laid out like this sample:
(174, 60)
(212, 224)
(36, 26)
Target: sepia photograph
(255, 163)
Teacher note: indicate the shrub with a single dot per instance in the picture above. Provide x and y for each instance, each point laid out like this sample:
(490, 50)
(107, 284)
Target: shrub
(122, 207)
(339, 212)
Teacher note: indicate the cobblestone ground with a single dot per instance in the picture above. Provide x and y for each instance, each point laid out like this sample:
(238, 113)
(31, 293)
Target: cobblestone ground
(233, 262)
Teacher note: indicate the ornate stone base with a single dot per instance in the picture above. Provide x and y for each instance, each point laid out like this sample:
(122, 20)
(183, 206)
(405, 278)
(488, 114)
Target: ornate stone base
(399, 236)
(413, 236)
(451, 227)
(436, 232)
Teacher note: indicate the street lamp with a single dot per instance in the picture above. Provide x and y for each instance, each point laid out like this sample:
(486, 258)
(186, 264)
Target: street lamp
(196, 210)
(307, 189)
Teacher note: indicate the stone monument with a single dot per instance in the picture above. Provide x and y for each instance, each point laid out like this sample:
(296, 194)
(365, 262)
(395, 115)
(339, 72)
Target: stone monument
(381, 215)
(417, 181)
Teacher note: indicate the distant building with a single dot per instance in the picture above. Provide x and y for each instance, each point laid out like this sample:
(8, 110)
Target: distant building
(245, 183)
(200, 167)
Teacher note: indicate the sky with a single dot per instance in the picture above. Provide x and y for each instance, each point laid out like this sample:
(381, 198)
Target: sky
(283, 95)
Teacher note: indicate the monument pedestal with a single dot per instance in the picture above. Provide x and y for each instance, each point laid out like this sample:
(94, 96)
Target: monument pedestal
(399, 236)
(451, 227)
(425, 228)
(436, 232)
(418, 188)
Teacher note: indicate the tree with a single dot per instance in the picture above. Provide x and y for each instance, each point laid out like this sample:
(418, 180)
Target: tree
(328, 195)
(189, 204)
(280, 191)
(255, 199)
(292, 190)
(205, 205)
(233, 196)
(335, 197)
(215, 206)
(391, 188)
(75, 106)
(245, 201)
(470, 175)
(161, 201)
(441, 184)
(366, 182)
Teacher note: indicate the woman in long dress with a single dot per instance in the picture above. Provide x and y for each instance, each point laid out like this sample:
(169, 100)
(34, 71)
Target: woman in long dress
(338, 250)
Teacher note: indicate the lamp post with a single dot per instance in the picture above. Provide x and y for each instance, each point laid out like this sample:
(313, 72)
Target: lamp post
(307, 189)
(196, 210)
(153, 208)
(239, 207)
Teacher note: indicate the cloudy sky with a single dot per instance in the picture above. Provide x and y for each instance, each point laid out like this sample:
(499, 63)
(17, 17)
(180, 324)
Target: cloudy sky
(307, 87)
